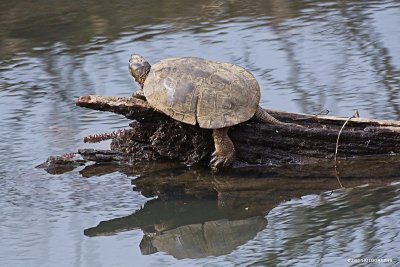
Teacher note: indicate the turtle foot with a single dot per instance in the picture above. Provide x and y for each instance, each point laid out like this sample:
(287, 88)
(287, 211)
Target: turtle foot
(224, 153)
(220, 159)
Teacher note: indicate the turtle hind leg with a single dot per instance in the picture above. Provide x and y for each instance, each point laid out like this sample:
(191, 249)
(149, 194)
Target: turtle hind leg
(224, 153)
(262, 116)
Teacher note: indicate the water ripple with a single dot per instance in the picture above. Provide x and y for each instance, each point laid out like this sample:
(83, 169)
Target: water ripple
(307, 56)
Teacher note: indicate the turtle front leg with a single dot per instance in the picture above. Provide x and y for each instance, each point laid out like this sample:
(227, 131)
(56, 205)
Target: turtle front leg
(139, 94)
(224, 153)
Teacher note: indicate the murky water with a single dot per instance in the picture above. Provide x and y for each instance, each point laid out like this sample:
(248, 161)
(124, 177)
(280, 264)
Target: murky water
(307, 56)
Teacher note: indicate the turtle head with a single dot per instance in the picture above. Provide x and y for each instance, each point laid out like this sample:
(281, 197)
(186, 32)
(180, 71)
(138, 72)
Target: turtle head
(139, 68)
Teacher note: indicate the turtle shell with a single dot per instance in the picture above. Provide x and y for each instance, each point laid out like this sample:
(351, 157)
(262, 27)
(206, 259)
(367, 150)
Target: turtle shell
(213, 94)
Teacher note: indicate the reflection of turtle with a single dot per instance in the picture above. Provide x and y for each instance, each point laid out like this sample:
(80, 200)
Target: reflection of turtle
(212, 94)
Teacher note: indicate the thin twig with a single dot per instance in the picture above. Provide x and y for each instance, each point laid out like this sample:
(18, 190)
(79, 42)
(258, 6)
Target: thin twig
(355, 115)
(323, 112)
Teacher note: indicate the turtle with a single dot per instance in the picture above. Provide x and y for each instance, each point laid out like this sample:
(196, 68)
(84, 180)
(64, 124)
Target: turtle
(211, 94)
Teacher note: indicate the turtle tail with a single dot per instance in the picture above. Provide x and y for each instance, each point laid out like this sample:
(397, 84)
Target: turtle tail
(263, 116)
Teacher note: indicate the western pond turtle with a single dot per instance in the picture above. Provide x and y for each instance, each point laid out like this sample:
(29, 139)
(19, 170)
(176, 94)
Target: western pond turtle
(214, 95)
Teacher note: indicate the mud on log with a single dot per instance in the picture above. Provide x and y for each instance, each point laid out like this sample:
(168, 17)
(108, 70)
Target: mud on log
(154, 136)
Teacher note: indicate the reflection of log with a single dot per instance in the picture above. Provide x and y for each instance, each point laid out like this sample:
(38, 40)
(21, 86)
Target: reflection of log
(154, 136)
(158, 216)
(233, 194)
(229, 205)
(203, 206)
(260, 188)
(184, 230)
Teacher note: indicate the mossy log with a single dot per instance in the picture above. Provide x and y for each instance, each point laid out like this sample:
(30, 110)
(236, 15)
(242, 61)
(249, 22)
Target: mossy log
(154, 136)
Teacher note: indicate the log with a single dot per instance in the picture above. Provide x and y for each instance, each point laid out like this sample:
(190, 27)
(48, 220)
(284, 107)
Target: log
(154, 136)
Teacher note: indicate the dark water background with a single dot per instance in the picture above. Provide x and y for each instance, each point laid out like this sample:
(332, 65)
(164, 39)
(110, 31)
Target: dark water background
(307, 56)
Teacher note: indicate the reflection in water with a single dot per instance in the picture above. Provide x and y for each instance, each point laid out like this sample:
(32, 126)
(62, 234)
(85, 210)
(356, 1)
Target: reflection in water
(327, 230)
(214, 213)
(213, 238)
(307, 56)
(186, 229)
(322, 53)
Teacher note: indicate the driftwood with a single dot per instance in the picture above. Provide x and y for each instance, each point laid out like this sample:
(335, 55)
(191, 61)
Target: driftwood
(154, 136)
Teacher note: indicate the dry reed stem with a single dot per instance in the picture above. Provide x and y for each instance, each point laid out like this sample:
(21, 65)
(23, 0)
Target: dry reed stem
(355, 115)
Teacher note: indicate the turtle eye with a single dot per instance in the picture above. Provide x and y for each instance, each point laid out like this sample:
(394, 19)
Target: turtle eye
(134, 66)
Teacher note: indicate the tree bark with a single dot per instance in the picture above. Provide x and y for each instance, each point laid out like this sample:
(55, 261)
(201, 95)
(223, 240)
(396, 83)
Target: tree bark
(154, 136)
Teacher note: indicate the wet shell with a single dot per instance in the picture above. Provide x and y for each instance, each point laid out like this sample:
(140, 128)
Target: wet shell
(213, 94)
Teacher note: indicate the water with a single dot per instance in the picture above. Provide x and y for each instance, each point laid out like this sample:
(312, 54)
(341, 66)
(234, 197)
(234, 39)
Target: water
(307, 56)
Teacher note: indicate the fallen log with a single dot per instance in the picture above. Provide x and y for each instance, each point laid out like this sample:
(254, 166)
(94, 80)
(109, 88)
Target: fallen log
(154, 136)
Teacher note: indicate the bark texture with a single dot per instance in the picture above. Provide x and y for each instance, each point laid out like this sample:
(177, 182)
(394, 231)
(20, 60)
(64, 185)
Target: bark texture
(154, 136)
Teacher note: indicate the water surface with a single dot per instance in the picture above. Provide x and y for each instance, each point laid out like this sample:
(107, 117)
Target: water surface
(307, 56)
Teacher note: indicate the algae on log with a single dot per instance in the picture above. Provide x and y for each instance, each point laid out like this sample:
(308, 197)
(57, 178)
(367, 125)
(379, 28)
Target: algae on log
(155, 136)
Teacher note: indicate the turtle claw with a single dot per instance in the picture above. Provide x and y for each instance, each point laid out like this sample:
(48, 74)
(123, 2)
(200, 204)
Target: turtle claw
(218, 160)
(224, 153)
(216, 163)
(227, 162)
(213, 160)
